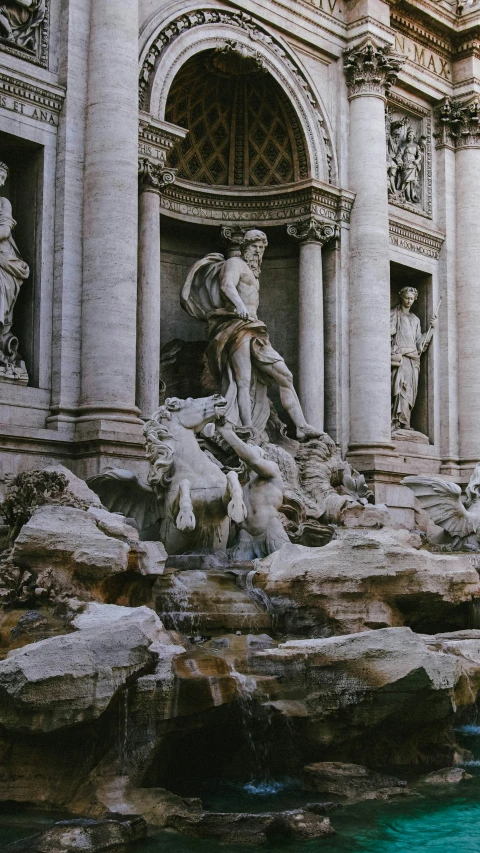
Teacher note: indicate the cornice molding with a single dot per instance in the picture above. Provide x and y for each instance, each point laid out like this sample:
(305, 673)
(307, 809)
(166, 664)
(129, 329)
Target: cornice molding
(267, 206)
(414, 239)
(40, 101)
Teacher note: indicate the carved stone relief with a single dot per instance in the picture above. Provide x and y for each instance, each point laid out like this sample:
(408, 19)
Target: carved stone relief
(24, 29)
(13, 272)
(409, 167)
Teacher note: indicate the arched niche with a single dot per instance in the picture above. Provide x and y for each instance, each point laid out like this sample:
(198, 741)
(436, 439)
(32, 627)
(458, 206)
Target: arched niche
(175, 41)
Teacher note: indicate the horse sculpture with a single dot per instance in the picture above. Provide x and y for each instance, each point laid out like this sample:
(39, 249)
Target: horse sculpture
(187, 494)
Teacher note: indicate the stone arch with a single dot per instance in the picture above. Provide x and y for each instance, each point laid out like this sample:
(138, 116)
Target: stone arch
(177, 40)
(243, 130)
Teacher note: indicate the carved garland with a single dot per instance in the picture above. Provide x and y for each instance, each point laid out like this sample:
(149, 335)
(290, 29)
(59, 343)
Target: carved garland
(249, 26)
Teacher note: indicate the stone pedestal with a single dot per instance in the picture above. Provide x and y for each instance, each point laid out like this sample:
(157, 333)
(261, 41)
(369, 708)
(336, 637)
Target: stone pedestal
(109, 294)
(370, 70)
(311, 236)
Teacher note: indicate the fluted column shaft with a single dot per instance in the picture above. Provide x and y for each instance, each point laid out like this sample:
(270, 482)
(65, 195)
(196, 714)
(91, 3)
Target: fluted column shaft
(311, 236)
(111, 214)
(458, 126)
(369, 71)
(152, 181)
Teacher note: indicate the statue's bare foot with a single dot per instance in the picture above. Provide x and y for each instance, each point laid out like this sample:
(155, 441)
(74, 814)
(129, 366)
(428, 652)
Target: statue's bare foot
(186, 520)
(307, 432)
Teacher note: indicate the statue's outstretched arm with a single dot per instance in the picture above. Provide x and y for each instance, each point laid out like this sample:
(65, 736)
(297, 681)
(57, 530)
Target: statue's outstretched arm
(250, 454)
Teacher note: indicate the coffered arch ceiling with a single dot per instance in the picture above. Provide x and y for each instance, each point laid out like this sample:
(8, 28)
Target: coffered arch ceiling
(243, 129)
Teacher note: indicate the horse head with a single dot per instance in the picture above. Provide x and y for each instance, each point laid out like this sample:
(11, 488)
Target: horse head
(192, 414)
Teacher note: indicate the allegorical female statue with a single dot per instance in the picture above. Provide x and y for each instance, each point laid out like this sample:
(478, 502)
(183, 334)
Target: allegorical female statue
(408, 344)
(13, 272)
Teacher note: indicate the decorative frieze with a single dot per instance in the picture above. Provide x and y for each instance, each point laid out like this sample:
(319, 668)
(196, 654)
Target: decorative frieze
(409, 155)
(371, 69)
(269, 207)
(426, 243)
(313, 231)
(458, 124)
(24, 29)
(40, 102)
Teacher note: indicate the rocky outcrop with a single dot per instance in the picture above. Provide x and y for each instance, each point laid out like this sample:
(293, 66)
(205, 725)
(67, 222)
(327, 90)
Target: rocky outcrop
(257, 828)
(352, 781)
(72, 679)
(446, 776)
(377, 697)
(89, 836)
(366, 579)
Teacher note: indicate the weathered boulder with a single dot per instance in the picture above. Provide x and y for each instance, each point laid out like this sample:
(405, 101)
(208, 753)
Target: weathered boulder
(381, 697)
(352, 781)
(446, 776)
(465, 646)
(366, 579)
(69, 540)
(257, 828)
(70, 679)
(87, 836)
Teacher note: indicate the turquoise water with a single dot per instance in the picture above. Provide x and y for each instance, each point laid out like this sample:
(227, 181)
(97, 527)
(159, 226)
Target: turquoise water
(443, 821)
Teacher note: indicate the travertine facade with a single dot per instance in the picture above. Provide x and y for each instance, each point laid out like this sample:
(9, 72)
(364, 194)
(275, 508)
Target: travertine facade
(135, 131)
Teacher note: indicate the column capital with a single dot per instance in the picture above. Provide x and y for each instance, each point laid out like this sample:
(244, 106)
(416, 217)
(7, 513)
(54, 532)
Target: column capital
(371, 69)
(154, 177)
(458, 124)
(233, 237)
(313, 231)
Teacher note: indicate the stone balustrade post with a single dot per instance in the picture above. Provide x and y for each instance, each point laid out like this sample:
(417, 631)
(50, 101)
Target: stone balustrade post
(109, 293)
(458, 127)
(370, 71)
(311, 236)
(152, 180)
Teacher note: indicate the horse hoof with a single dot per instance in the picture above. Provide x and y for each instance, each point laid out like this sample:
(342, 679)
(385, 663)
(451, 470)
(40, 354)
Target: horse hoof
(185, 520)
(237, 511)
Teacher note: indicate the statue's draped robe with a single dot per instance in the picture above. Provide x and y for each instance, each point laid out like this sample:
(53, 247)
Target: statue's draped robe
(24, 19)
(13, 271)
(203, 299)
(407, 339)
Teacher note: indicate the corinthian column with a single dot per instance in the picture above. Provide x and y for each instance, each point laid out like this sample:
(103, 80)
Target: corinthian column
(458, 123)
(311, 236)
(109, 294)
(152, 179)
(370, 71)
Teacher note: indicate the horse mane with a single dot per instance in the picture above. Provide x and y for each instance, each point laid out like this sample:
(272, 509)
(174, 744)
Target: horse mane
(157, 449)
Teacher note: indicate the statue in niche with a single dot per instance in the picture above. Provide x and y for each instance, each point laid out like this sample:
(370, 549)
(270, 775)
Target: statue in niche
(261, 532)
(19, 21)
(407, 346)
(13, 272)
(405, 156)
(225, 294)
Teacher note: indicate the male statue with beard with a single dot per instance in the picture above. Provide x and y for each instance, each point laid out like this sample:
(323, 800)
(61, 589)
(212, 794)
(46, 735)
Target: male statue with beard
(225, 294)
